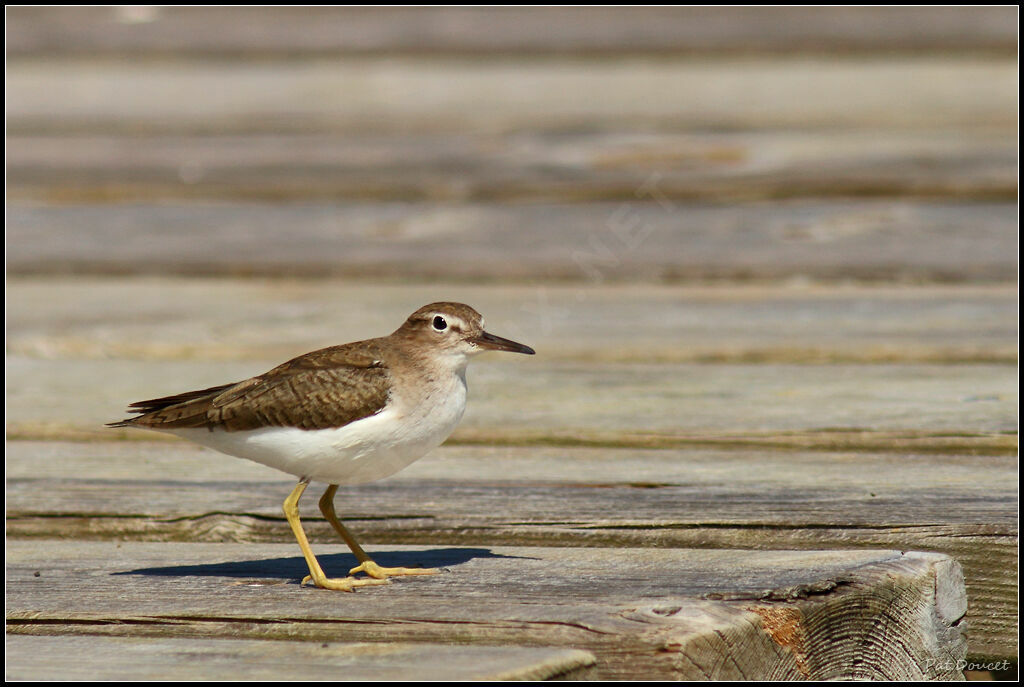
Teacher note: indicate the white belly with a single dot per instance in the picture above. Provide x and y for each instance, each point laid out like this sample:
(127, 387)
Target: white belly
(362, 451)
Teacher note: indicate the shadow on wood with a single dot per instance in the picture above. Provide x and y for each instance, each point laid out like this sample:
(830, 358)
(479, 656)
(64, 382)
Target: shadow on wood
(295, 566)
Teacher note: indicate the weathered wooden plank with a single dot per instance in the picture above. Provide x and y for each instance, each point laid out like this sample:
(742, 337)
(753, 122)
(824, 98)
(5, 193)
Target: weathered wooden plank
(656, 614)
(576, 339)
(587, 245)
(663, 169)
(572, 485)
(575, 31)
(814, 100)
(878, 472)
(963, 506)
(244, 319)
(537, 401)
(84, 658)
(577, 488)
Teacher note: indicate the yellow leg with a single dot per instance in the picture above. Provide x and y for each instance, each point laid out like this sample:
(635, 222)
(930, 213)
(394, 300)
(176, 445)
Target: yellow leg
(365, 564)
(316, 573)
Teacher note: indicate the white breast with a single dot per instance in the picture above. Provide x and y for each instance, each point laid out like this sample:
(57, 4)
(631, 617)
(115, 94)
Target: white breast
(362, 451)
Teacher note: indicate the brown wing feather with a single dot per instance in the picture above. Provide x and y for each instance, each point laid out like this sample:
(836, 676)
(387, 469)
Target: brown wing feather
(327, 388)
(160, 403)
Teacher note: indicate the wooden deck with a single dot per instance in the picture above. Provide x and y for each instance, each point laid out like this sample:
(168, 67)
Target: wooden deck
(768, 259)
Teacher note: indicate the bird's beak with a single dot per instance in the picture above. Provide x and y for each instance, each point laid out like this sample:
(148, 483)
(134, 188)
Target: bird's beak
(496, 343)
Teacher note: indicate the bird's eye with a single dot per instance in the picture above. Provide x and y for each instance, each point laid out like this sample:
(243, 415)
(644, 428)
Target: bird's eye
(439, 323)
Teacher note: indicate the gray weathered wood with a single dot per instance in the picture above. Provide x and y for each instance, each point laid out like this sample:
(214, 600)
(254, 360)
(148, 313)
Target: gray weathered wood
(244, 319)
(963, 506)
(642, 612)
(930, 408)
(580, 402)
(588, 246)
(61, 333)
(85, 658)
(575, 31)
(805, 148)
(830, 102)
(592, 166)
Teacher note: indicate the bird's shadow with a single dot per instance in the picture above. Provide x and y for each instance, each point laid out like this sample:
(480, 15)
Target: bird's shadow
(294, 567)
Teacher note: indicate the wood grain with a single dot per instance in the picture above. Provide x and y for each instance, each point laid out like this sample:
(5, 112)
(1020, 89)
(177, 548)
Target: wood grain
(534, 166)
(665, 614)
(555, 497)
(89, 657)
(174, 319)
(239, 32)
(767, 257)
(543, 245)
(821, 97)
(140, 318)
(569, 400)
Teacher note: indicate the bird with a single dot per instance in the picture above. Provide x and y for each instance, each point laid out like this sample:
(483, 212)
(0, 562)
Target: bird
(346, 414)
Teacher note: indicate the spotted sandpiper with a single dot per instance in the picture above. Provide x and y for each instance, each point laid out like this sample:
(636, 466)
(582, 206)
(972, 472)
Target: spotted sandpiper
(342, 415)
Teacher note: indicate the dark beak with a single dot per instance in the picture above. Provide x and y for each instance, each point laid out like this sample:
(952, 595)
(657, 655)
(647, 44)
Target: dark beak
(496, 343)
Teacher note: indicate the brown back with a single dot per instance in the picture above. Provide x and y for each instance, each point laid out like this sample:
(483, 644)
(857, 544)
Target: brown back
(327, 388)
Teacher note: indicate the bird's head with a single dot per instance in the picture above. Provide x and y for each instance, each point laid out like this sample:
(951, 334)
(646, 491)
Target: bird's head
(455, 329)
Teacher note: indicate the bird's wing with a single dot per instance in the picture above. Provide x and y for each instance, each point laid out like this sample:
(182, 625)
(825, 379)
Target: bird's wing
(327, 388)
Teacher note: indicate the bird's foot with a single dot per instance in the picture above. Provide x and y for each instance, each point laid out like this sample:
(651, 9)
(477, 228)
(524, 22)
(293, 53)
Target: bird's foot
(343, 584)
(378, 573)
